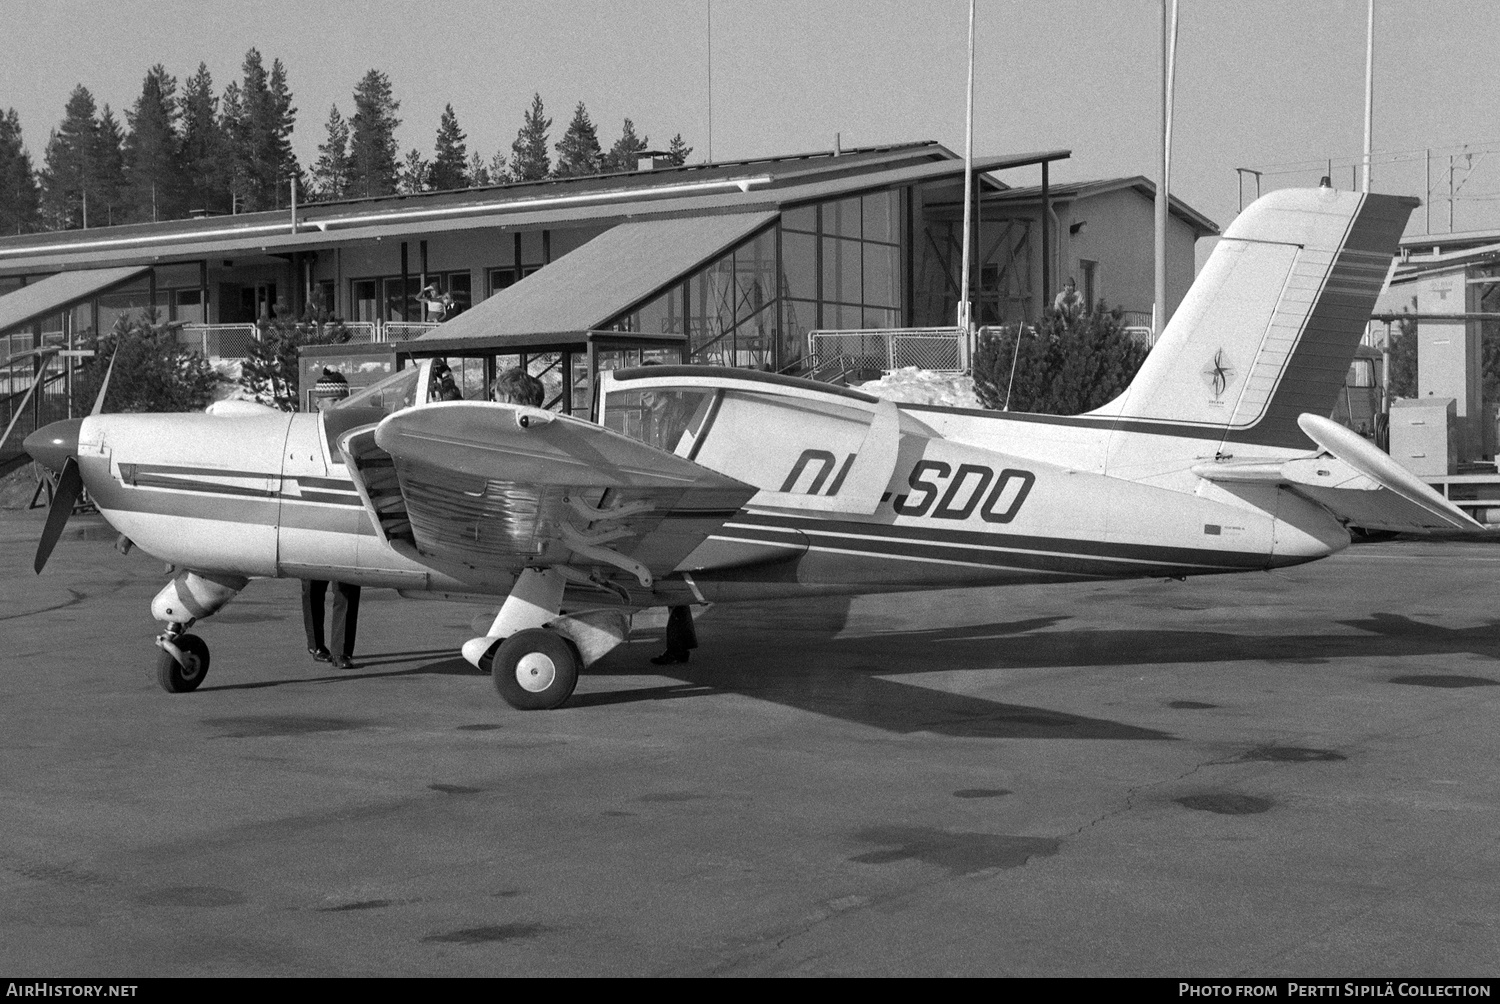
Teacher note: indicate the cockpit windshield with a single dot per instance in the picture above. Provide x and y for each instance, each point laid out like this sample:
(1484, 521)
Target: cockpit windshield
(668, 418)
(397, 391)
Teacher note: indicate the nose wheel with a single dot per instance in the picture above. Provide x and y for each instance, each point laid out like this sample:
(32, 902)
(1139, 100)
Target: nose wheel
(535, 669)
(180, 677)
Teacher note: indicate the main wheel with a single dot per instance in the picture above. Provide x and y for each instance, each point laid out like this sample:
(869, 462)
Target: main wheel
(179, 679)
(535, 669)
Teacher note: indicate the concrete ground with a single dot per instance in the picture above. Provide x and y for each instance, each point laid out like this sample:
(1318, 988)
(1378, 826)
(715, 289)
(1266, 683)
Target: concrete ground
(1284, 774)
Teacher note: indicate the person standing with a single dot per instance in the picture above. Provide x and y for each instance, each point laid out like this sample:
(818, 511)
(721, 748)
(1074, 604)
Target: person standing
(682, 637)
(342, 630)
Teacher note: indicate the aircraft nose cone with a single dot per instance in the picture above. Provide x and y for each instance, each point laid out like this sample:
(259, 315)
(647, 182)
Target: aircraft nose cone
(52, 444)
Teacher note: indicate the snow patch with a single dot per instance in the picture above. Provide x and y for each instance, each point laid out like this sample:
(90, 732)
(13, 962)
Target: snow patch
(910, 385)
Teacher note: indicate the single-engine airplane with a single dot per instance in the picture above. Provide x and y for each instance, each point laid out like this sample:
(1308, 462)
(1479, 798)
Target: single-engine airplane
(702, 484)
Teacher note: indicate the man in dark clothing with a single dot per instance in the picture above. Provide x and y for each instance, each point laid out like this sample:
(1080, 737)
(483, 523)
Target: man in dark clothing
(345, 621)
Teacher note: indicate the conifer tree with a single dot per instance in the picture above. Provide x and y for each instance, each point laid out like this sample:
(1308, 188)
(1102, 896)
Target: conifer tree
(415, 174)
(1066, 365)
(529, 160)
(232, 165)
(205, 179)
(499, 170)
(372, 137)
(678, 151)
(259, 119)
(109, 160)
(331, 171)
(478, 173)
(20, 202)
(69, 165)
(450, 156)
(578, 153)
(624, 155)
(153, 155)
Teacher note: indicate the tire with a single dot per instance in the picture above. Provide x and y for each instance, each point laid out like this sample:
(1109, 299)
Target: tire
(535, 670)
(175, 679)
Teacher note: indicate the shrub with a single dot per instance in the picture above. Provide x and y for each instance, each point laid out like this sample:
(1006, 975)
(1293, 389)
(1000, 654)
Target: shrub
(1068, 364)
(153, 371)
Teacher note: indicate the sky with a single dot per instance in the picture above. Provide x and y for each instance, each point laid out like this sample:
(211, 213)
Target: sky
(1259, 83)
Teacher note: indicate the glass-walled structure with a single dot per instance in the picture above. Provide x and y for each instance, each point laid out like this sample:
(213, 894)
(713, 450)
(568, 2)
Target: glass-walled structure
(878, 260)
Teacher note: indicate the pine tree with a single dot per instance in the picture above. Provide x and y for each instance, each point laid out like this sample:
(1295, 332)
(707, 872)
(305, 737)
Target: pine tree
(578, 153)
(529, 160)
(283, 121)
(450, 156)
(259, 119)
(415, 174)
(232, 166)
(153, 150)
(205, 179)
(678, 151)
(109, 159)
(626, 151)
(1069, 364)
(372, 137)
(69, 165)
(478, 174)
(152, 369)
(20, 201)
(330, 174)
(499, 170)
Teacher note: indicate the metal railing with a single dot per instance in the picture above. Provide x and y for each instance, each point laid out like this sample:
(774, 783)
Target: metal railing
(233, 341)
(943, 350)
(400, 331)
(218, 341)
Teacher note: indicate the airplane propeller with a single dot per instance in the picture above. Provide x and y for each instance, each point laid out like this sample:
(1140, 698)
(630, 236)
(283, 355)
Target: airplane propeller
(55, 447)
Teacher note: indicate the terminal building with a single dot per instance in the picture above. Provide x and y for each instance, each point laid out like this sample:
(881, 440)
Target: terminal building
(734, 262)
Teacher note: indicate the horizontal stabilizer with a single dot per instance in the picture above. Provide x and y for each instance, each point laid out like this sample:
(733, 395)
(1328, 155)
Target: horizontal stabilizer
(1350, 478)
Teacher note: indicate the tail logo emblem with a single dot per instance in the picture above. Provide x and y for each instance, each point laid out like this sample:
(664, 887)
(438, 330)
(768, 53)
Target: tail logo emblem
(1219, 374)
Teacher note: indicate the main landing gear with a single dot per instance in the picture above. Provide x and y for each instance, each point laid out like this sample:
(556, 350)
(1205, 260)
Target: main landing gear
(533, 655)
(183, 662)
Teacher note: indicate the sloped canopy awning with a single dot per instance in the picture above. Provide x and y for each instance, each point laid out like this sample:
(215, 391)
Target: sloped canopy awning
(58, 291)
(586, 288)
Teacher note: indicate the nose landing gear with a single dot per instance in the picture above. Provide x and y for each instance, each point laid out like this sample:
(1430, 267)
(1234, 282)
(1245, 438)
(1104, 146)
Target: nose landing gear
(183, 662)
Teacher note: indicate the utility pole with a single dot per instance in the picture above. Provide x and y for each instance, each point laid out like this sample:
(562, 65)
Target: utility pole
(965, 319)
(1168, 52)
(1369, 90)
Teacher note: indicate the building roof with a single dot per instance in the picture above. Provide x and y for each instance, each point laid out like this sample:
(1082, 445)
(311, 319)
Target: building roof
(739, 186)
(1073, 191)
(49, 295)
(593, 284)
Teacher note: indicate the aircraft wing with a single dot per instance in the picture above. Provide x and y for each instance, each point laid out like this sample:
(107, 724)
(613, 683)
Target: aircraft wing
(504, 487)
(1352, 479)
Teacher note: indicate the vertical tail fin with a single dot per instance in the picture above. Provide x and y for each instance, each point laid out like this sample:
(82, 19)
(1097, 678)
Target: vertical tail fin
(1268, 328)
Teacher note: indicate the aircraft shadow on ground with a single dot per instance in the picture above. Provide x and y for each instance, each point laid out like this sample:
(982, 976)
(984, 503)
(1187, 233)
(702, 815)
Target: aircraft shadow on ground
(847, 678)
(805, 666)
(450, 665)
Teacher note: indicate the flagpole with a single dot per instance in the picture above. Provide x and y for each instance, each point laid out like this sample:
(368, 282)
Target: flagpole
(965, 312)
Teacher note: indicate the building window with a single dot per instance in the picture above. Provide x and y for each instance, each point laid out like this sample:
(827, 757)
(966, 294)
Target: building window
(1088, 277)
(364, 294)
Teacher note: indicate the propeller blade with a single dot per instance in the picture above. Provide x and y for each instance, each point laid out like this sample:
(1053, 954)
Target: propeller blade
(104, 387)
(69, 485)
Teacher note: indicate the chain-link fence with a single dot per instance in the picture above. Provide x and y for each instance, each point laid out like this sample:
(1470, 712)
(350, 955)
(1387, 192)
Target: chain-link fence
(943, 350)
(400, 331)
(218, 341)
